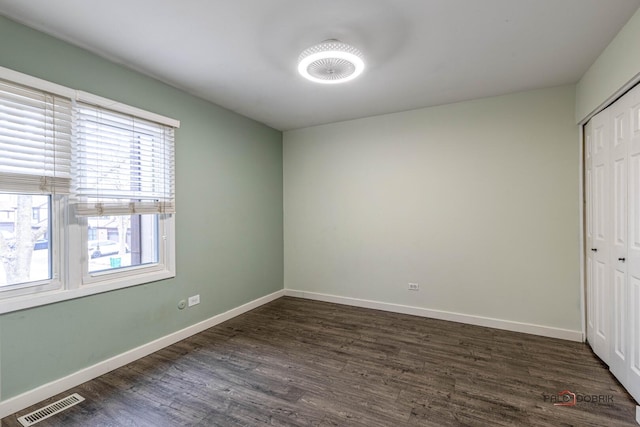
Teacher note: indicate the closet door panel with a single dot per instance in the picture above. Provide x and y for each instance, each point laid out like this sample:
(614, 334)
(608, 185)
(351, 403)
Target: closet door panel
(588, 183)
(633, 250)
(619, 153)
(633, 373)
(600, 241)
(618, 363)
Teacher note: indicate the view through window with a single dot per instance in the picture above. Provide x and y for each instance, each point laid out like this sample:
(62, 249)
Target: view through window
(121, 241)
(25, 246)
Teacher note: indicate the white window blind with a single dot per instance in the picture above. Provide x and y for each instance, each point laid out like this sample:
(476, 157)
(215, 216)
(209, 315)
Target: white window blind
(35, 140)
(122, 164)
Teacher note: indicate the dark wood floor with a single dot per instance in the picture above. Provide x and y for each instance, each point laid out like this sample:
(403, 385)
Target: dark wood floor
(294, 362)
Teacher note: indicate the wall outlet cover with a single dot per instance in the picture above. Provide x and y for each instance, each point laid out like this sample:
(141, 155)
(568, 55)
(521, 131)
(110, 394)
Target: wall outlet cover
(194, 300)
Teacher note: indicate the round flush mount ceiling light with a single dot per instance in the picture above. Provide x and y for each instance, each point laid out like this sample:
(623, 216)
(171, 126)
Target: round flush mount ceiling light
(330, 62)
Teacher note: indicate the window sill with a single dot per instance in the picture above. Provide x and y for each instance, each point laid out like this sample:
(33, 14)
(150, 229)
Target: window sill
(35, 300)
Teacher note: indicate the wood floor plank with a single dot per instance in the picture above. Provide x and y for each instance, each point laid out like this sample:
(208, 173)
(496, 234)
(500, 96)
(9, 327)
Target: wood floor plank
(295, 362)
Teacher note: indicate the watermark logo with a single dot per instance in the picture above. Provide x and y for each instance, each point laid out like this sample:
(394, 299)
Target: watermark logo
(569, 398)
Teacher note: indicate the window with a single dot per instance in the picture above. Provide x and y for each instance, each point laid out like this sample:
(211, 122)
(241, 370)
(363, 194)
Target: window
(24, 252)
(86, 193)
(122, 241)
(123, 189)
(122, 164)
(35, 171)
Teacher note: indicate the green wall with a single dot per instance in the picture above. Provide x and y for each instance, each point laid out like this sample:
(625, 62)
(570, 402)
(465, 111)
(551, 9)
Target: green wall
(616, 66)
(228, 223)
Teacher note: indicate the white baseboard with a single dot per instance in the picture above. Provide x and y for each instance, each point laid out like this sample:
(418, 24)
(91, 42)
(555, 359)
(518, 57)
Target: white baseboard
(31, 397)
(545, 331)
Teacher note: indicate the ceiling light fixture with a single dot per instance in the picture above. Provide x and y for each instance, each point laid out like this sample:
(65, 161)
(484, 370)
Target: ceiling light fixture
(330, 62)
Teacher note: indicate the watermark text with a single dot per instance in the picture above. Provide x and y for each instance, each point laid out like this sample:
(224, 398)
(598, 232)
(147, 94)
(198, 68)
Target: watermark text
(568, 398)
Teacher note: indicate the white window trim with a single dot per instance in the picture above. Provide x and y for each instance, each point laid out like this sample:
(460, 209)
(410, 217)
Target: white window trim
(113, 281)
(36, 83)
(123, 108)
(69, 280)
(78, 95)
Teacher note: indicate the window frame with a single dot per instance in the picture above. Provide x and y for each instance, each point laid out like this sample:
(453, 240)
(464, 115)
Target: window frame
(68, 232)
(56, 242)
(131, 275)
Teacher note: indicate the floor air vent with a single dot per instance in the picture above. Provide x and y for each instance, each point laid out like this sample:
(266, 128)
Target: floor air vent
(50, 410)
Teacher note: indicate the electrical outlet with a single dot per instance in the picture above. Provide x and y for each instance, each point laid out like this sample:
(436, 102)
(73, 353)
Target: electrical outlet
(414, 286)
(194, 300)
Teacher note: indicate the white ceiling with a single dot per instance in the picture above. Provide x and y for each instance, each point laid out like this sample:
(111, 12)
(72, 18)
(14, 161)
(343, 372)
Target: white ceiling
(242, 54)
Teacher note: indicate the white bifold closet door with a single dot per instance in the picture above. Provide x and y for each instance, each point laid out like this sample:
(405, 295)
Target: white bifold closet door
(612, 196)
(597, 156)
(633, 251)
(619, 159)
